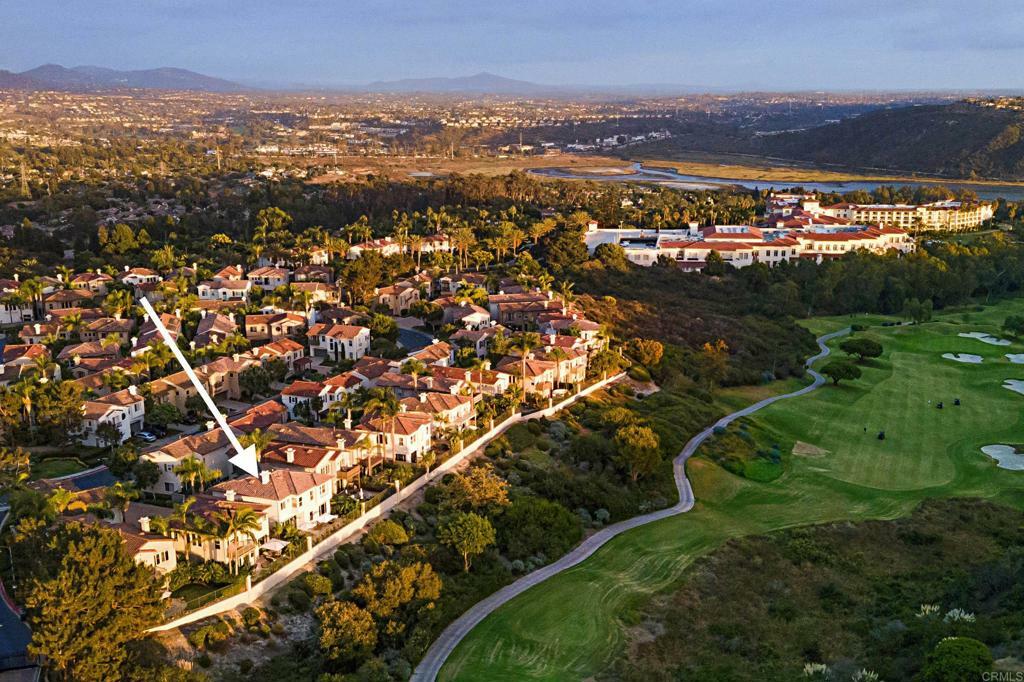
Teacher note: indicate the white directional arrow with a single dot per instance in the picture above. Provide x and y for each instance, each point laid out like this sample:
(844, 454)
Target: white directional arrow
(245, 459)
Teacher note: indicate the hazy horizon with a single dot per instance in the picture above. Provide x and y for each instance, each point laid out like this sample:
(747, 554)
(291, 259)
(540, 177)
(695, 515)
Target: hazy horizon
(730, 44)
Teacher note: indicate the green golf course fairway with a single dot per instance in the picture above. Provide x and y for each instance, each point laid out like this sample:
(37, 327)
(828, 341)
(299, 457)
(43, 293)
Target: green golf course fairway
(574, 625)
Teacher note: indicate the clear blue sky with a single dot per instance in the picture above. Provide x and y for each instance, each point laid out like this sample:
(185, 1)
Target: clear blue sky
(728, 43)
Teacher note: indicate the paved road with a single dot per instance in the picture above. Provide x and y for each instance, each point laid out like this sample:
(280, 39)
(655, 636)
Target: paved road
(439, 651)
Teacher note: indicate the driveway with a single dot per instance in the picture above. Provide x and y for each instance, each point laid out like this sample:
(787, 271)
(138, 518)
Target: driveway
(14, 636)
(443, 646)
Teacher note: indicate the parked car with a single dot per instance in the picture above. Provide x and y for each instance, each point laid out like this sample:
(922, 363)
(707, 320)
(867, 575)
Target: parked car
(146, 437)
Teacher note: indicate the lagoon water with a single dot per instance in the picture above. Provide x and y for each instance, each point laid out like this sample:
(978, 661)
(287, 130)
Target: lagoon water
(671, 178)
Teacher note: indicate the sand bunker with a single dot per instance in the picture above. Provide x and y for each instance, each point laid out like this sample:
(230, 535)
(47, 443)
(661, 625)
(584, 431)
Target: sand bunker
(963, 357)
(1015, 358)
(1006, 456)
(808, 450)
(985, 338)
(1015, 385)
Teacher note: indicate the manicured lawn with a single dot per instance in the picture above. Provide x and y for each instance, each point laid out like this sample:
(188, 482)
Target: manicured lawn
(574, 625)
(53, 467)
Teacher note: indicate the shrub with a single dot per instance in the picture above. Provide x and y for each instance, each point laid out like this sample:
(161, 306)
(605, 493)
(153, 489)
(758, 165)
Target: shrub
(639, 373)
(386, 532)
(317, 585)
(245, 665)
(533, 525)
(534, 427)
(204, 660)
(299, 600)
(520, 437)
(251, 616)
(543, 444)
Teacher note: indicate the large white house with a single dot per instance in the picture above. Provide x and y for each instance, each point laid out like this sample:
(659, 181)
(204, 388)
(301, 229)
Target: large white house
(339, 341)
(124, 410)
(224, 290)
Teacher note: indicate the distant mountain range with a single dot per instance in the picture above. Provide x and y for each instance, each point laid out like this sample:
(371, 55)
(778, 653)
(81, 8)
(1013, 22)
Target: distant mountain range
(95, 78)
(90, 78)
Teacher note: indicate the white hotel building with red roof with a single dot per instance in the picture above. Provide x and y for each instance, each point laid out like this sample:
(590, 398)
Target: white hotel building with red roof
(743, 245)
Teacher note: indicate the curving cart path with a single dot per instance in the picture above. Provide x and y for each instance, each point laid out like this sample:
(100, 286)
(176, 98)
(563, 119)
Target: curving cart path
(443, 646)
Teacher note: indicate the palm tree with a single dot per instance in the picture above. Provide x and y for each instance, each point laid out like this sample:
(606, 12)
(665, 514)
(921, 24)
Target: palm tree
(236, 522)
(119, 496)
(73, 323)
(544, 281)
(25, 391)
(61, 500)
(119, 302)
(525, 343)
(164, 259)
(44, 365)
(384, 402)
(65, 273)
(351, 400)
(180, 512)
(161, 525)
(110, 341)
(31, 290)
(566, 292)
(557, 355)
(461, 238)
(416, 368)
(259, 439)
(416, 247)
(364, 446)
(196, 473)
(515, 395)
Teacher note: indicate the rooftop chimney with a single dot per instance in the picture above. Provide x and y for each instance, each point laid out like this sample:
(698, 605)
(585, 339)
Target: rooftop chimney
(37, 327)
(210, 424)
(289, 455)
(265, 477)
(229, 495)
(202, 313)
(126, 268)
(423, 397)
(144, 524)
(347, 424)
(133, 390)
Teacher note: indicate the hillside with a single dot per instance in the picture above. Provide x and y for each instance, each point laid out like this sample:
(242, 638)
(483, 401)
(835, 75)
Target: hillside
(84, 78)
(957, 140)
